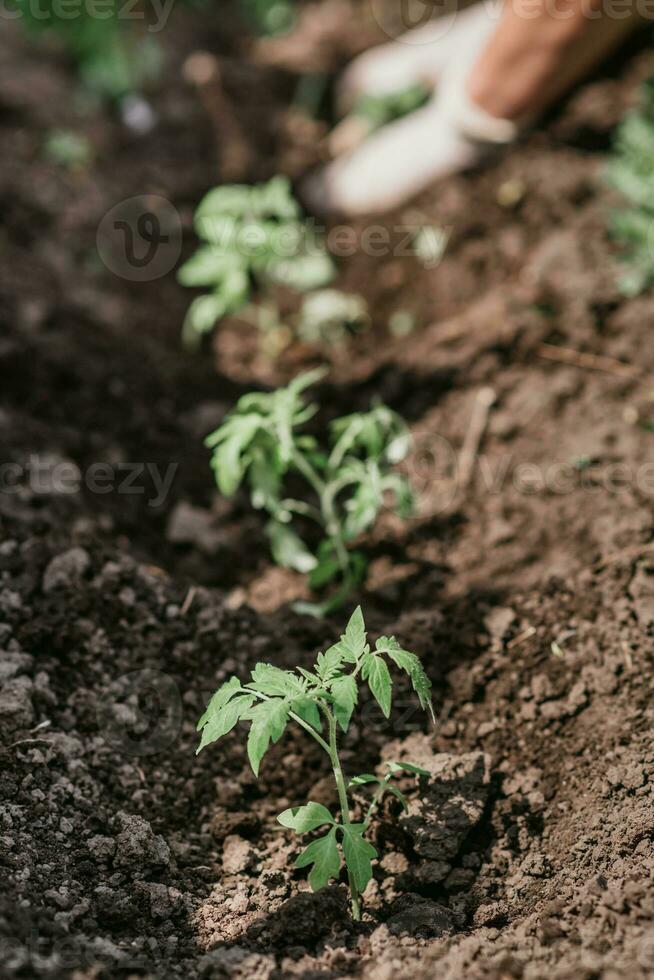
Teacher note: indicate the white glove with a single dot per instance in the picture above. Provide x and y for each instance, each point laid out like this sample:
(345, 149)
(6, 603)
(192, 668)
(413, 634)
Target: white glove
(447, 135)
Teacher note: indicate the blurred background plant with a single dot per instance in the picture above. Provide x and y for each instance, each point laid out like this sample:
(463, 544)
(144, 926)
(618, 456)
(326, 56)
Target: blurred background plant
(252, 238)
(269, 17)
(113, 55)
(631, 172)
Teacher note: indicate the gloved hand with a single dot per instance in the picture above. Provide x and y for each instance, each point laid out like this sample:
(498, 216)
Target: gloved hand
(447, 135)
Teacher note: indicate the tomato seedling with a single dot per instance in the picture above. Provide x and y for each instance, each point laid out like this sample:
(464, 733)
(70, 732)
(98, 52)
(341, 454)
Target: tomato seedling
(253, 237)
(261, 443)
(321, 701)
(630, 172)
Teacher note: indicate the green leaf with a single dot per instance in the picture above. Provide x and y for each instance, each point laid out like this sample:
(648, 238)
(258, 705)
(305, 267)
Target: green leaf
(410, 663)
(265, 476)
(353, 641)
(327, 567)
(203, 314)
(379, 680)
(230, 444)
(303, 819)
(307, 710)
(302, 272)
(329, 663)
(288, 549)
(205, 268)
(220, 699)
(273, 681)
(397, 794)
(323, 854)
(221, 721)
(378, 435)
(268, 723)
(407, 767)
(359, 854)
(363, 779)
(363, 507)
(228, 199)
(345, 694)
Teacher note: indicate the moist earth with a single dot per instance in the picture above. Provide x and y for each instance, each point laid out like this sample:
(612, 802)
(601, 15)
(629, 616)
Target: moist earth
(525, 585)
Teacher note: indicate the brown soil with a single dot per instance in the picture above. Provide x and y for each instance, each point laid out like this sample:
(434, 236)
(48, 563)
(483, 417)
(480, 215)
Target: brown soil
(528, 593)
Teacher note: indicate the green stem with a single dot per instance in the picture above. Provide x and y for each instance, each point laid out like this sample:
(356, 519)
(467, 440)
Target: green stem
(345, 807)
(330, 521)
(333, 528)
(300, 721)
(305, 510)
(376, 800)
(308, 472)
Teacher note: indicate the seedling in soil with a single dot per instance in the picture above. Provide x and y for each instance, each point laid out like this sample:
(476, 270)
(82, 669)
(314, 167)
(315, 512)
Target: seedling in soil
(254, 237)
(631, 172)
(261, 443)
(321, 701)
(113, 59)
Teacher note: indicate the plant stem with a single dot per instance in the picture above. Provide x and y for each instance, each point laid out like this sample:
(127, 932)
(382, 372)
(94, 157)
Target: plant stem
(333, 528)
(300, 721)
(308, 472)
(330, 521)
(345, 807)
(376, 800)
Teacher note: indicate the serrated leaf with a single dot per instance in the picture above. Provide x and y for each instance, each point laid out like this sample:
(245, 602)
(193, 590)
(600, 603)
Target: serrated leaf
(345, 694)
(268, 723)
(310, 676)
(359, 854)
(411, 664)
(379, 680)
(324, 855)
(223, 720)
(219, 699)
(353, 641)
(307, 710)
(274, 681)
(303, 819)
(329, 663)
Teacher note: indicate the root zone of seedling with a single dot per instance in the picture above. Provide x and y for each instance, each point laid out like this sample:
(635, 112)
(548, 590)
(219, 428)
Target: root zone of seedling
(523, 583)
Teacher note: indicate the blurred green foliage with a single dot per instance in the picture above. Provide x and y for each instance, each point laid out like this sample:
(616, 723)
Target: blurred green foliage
(631, 172)
(269, 16)
(106, 41)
